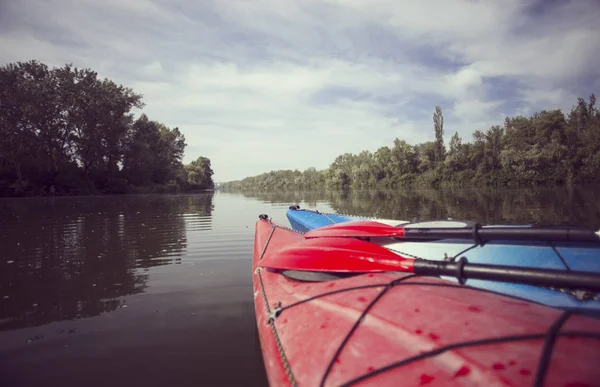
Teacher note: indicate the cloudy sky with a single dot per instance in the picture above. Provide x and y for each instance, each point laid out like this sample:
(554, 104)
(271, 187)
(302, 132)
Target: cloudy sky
(281, 84)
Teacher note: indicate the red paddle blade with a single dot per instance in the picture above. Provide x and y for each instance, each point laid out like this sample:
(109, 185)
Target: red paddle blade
(335, 255)
(360, 228)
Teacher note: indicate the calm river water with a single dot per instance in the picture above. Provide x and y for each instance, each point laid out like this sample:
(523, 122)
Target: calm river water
(157, 290)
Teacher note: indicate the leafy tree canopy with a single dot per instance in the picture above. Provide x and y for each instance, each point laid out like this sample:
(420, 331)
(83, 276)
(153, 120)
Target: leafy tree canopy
(65, 131)
(549, 147)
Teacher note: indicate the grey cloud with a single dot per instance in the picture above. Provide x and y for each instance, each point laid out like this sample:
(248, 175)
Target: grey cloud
(277, 76)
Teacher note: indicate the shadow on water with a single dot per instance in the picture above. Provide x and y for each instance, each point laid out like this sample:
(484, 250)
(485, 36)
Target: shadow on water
(68, 258)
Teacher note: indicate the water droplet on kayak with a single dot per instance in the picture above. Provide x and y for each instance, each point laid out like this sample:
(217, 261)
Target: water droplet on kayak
(464, 370)
(331, 285)
(474, 309)
(433, 336)
(512, 362)
(370, 275)
(417, 310)
(467, 323)
(524, 371)
(337, 360)
(426, 379)
(362, 299)
(371, 369)
(285, 320)
(323, 326)
(498, 366)
(418, 331)
(515, 303)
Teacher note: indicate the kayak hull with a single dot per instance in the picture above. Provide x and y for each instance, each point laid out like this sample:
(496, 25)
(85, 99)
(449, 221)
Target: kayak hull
(383, 329)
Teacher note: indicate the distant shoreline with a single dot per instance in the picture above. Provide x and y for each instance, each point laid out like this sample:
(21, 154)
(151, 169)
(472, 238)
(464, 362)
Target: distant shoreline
(547, 148)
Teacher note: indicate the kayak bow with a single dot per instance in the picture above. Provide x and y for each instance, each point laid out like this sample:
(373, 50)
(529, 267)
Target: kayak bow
(391, 328)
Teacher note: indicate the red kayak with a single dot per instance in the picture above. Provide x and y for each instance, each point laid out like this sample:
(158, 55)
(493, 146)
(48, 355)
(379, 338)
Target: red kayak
(386, 327)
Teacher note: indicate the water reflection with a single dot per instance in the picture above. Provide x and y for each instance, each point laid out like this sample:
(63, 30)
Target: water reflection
(67, 258)
(556, 205)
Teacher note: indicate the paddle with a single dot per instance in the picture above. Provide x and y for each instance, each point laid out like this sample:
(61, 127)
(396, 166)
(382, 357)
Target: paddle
(371, 228)
(348, 255)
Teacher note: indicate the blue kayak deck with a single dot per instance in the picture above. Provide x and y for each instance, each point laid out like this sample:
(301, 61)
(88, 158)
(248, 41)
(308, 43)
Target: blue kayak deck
(577, 256)
(304, 221)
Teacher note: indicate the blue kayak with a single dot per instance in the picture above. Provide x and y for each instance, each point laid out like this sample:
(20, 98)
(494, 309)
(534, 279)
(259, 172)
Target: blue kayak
(576, 256)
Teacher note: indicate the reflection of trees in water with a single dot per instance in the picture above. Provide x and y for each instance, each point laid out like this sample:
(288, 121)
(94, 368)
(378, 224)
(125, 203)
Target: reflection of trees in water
(199, 205)
(556, 205)
(164, 231)
(523, 206)
(69, 258)
(310, 198)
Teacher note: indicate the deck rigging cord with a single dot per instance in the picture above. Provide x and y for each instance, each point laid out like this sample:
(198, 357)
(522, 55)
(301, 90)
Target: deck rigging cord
(549, 336)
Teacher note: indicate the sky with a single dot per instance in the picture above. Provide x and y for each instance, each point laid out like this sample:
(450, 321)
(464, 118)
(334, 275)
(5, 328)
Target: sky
(279, 84)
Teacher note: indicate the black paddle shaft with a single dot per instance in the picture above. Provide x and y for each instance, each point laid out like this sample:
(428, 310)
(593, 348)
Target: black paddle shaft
(554, 234)
(463, 270)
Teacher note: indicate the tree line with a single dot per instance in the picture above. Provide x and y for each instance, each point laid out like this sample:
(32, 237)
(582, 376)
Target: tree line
(546, 148)
(64, 130)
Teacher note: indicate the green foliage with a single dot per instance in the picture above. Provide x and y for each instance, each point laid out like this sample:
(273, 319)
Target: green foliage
(548, 147)
(65, 131)
(198, 174)
(287, 179)
(438, 124)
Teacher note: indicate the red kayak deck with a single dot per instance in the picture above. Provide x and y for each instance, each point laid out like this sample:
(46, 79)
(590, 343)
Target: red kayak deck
(391, 329)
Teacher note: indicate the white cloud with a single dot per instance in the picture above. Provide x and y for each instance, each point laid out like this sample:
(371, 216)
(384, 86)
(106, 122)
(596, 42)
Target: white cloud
(153, 69)
(274, 84)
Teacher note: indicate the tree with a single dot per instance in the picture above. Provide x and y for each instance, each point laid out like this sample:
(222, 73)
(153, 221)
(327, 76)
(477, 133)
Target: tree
(199, 174)
(544, 148)
(311, 178)
(438, 123)
(153, 152)
(582, 133)
(383, 169)
(426, 153)
(493, 147)
(82, 132)
(404, 158)
(340, 171)
(456, 158)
